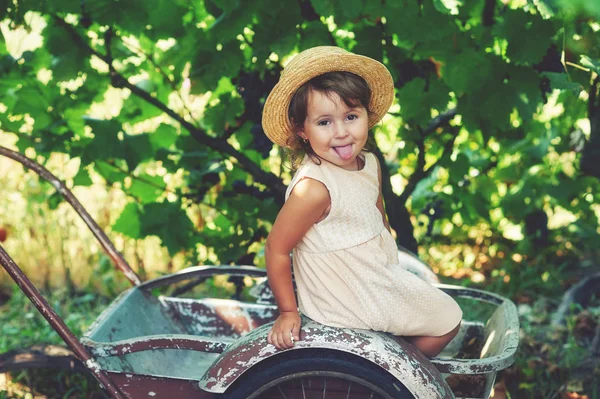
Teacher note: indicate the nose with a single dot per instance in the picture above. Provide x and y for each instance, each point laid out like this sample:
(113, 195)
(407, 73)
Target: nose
(340, 130)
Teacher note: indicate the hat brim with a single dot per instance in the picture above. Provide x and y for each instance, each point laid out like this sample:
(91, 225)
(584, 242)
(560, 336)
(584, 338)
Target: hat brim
(275, 121)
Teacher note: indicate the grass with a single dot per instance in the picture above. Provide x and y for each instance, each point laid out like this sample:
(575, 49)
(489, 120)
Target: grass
(21, 326)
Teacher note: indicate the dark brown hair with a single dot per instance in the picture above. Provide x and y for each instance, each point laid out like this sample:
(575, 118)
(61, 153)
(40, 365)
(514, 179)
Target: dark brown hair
(351, 88)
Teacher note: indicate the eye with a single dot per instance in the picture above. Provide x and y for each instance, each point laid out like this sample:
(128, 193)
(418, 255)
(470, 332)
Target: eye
(352, 117)
(323, 122)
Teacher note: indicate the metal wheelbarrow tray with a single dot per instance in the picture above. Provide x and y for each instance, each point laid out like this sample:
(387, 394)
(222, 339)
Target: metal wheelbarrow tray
(185, 344)
(146, 345)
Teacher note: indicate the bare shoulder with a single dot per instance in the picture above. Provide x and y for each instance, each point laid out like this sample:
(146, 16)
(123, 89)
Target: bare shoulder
(306, 205)
(310, 191)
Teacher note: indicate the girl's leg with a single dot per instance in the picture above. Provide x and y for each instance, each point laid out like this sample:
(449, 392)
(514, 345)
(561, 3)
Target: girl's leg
(432, 346)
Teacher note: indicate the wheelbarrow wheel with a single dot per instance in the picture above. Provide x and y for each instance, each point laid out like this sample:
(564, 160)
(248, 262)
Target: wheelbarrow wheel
(317, 374)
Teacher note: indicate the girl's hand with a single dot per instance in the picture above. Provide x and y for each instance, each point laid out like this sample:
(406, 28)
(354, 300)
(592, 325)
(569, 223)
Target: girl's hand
(286, 326)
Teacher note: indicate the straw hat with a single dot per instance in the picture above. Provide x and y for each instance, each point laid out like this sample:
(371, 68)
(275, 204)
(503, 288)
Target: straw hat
(314, 62)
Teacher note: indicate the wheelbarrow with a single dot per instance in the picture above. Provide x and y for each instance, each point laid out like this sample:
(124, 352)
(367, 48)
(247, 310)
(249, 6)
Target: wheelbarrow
(147, 345)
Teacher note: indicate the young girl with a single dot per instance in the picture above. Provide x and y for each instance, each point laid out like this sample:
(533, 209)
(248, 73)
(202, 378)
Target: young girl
(346, 264)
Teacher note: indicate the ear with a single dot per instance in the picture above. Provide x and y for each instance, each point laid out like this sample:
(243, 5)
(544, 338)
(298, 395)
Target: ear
(298, 130)
(300, 133)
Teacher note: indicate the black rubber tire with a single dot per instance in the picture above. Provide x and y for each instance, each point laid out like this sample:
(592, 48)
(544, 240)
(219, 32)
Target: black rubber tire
(302, 362)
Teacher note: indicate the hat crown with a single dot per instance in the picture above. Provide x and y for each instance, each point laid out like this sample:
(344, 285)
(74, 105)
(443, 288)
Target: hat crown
(311, 55)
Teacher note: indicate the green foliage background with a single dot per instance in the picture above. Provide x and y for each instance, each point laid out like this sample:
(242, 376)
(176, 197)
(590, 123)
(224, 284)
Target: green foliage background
(191, 76)
(493, 140)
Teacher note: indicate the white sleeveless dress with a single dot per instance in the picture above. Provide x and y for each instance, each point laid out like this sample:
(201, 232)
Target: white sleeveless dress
(347, 267)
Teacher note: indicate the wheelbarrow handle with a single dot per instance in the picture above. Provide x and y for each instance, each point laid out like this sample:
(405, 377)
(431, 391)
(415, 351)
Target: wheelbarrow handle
(116, 257)
(57, 323)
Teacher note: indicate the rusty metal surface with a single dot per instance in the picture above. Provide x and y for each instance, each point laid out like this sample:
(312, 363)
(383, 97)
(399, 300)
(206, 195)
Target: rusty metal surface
(57, 323)
(138, 387)
(181, 364)
(155, 342)
(400, 359)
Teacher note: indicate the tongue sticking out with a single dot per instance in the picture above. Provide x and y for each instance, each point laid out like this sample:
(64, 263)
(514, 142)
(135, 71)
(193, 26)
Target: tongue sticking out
(344, 152)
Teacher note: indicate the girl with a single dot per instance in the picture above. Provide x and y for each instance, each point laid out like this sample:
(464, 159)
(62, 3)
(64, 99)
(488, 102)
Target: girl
(346, 264)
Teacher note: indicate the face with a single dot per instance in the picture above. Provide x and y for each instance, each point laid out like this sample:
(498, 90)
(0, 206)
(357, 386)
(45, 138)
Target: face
(337, 133)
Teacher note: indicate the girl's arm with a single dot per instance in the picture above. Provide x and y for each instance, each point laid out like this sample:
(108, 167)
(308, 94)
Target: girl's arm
(306, 205)
(380, 199)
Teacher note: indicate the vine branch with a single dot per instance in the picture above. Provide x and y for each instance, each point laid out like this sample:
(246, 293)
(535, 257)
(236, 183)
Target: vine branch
(165, 76)
(217, 144)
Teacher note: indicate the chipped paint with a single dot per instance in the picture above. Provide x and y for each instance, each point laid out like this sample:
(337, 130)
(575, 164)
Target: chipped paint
(92, 365)
(402, 360)
(153, 343)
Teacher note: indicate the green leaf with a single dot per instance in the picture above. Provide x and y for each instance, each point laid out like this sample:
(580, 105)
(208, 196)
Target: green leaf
(32, 99)
(314, 33)
(447, 6)
(209, 66)
(82, 178)
(418, 99)
(54, 200)
(348, 10)
(106, 143)
(165, 18)
(68, 58)
(110, 173)
(581, 8)
(525, 83)
(369, 44)
(546, 8)
(277, 32)
(147, 188)
(9, 125)
(231, 23)
(163, 137)
(169, 222)
(587, 62)
(129, 15)
(136, 109)
(324, 8)
(560, 81)
(528, 36)
(137, 149)
(467, 70)
(415, 24)
(227, 5)
(225, 86)
(424, 190)
(223, 114)
(129, 222)
(74, 119)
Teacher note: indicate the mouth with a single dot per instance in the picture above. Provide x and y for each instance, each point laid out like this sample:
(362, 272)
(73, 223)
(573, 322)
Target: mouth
(344, 151)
